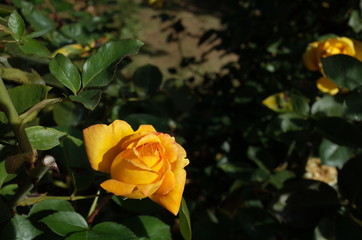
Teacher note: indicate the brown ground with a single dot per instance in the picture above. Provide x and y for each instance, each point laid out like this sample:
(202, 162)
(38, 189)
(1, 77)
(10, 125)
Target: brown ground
(165, 55)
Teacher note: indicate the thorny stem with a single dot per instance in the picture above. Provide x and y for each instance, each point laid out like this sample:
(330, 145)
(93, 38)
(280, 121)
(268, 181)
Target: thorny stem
(35, 175)
(7, 106)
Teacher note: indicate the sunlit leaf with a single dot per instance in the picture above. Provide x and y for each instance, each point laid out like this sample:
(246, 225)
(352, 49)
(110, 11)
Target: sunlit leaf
(66, 72)
(32, 46)
(20, 228)
(16, 25)
(54, 205)
(95, 67)
(332, 154)
(43, 138)
(65, 222)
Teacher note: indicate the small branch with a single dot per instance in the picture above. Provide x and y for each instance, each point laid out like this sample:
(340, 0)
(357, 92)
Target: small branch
(35, 175)
(99, 208)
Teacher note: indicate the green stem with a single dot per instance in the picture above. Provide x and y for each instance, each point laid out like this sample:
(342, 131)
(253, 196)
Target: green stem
(15, 121)
(35, 175)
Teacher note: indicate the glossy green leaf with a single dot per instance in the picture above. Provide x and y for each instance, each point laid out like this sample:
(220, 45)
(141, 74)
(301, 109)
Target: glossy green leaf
(185, 222)
(65, 222)
(89, 98)
(20, 228)
(147, 79)
(333, 154)
(95, 67)
(66, 72)
(105, 230)
(16, 25)
(37, 19)
(343, 70)
(150, 228)
(32, 46)
(54, 205)
(26, 96)
(328, 106)
(43, 138)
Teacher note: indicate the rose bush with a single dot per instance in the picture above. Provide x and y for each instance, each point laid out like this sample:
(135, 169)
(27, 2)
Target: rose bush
(142, 163)
(322, 49)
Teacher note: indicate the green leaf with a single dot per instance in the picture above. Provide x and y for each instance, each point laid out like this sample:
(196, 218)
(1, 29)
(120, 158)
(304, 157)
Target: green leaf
(65, 222)
(288, 127)
(4, 176)
(89, 98)
(150, 228)
(43, 138)
(333, 154)
(8, 189)
(147, 79)
(353, 105)
(37, 19)
(16, 25)
(185, 222)
(67, 114)
(32, 46)
(66, 72)
(20, 228)
(95, 67)
(106, 230)
(343, 70)
(76, 32)
(26, 96)
(54, 205)
(328, 106)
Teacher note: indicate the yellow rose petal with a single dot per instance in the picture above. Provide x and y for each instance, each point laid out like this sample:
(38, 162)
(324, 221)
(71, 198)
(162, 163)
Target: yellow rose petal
(117, 187)
(168, 183)
(310, 57)
(327, 86)
(145, 128)
(172, 200)
(149, 189)
(103, 142)
(132, 171)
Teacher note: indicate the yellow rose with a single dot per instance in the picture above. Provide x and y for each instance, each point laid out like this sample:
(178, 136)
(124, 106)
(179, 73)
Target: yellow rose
(332, 46)
(327, 86)
(142, 163)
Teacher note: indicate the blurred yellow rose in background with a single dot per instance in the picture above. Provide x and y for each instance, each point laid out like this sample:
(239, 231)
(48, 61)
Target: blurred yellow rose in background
(332, 46)
(142, 163)
(322, 49)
